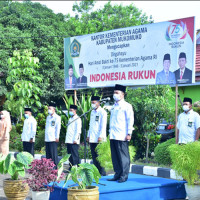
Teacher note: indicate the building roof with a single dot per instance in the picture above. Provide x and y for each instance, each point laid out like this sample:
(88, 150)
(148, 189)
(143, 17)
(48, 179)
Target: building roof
(197, 66)
(197, 58)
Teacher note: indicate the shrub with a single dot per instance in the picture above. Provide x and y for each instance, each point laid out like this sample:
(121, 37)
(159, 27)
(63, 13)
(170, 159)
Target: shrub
(39, 140)
(162, 155)
(186, 161)
(197, 109)
(104, 152)
(15, 140)
(81, 152)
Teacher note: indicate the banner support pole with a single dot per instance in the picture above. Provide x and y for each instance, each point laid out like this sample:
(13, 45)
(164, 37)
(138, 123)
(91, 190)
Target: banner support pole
(176, 110)
(75, 97)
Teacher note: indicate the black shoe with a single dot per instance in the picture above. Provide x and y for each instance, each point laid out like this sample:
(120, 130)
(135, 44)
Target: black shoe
(121, 180)
(112, 179)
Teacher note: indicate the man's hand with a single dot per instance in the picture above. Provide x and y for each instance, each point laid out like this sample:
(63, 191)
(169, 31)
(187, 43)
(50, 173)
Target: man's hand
(57, 140)
(31, 140)
(128, 137)
(74, 142)
(99, 139)
(87, 139)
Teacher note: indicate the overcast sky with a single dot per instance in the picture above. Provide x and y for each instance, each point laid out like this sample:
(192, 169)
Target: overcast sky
(160, 10)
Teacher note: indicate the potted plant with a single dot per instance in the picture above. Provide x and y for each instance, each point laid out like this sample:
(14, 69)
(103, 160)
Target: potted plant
(42, 172)
(186, 163)
(14, 187)
(83, 176)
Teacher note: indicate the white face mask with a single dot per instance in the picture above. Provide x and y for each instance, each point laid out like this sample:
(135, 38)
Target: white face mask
(50, 112)
(71, 113)
(186, 108)
(93, 105)
(116, 97)
(26, 116)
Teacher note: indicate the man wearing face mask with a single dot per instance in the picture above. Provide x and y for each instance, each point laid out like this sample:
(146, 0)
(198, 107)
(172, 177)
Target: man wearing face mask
(188, 126)
(52, 133)
(121, 127)
(29, 131)
(97, 130)
(73, 134)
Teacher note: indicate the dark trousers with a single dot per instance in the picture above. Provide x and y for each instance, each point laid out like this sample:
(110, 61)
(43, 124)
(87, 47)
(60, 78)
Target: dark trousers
(94, 158)
(73, 150)
(51, 151)
(28, 147)
(120, 158)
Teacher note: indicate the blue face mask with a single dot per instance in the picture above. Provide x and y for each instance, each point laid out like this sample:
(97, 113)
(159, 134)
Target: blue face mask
(26, 116)
(71, 113)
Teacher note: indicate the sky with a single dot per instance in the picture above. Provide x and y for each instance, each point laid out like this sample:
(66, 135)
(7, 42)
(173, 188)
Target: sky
(160, 10)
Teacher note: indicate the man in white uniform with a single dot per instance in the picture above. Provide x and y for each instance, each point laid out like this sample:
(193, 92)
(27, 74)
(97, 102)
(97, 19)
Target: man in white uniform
(29, 131)
(73, 134)
(52, 133)
(121, 127)
(188, 126)
(97, 130)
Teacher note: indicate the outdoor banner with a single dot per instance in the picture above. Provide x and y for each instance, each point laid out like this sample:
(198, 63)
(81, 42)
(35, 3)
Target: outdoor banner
(158, 53)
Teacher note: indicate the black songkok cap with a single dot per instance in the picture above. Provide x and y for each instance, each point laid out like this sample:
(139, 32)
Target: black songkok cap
(95, 98)
(73, 107)
(27, 109)
(182, 55)
(70, 66)
(80, 65)
(52, 104)
(187, 100)
(166, 57)
(120, 87)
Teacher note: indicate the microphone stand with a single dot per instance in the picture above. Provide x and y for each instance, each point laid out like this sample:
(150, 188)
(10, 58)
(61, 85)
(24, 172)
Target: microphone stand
(84, 131)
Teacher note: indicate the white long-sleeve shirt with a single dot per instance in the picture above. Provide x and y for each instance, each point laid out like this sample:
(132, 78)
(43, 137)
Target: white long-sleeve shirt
(121, 120)
(98, 123)
(188, 123)
(52, 128)
(73, 130)
(29, 129)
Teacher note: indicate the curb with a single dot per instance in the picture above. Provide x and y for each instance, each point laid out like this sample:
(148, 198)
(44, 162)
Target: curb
(154, 171)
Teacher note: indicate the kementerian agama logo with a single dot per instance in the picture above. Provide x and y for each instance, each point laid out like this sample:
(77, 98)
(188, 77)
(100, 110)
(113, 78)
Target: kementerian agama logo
(75, 48)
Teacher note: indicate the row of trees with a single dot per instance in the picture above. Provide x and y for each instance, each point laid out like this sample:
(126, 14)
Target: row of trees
(34, 27)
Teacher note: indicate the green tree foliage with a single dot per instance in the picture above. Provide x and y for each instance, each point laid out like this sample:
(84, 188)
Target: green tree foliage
(108, 18)
(23, 79)
(33, 23)
(26, 20)
(151, 105)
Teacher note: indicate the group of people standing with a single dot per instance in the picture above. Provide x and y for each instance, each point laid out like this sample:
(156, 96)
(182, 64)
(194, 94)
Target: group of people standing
(121, 127)
(120, 132)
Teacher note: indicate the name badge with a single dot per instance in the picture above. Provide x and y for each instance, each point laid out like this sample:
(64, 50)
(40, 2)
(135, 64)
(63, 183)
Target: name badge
(189, 123)
(53, 123)
(97, 118)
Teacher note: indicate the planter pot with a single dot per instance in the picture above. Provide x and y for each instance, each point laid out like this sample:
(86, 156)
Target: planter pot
(15, 189)
(193, 191)
(91, 193)
(40, 195)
